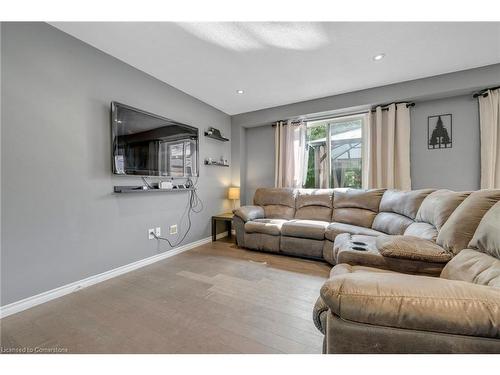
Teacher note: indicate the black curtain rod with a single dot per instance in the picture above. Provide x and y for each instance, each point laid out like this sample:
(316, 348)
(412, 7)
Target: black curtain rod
(385, 107)
(484, 93)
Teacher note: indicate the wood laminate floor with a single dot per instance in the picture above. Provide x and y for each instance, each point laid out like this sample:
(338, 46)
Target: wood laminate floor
(216, 298)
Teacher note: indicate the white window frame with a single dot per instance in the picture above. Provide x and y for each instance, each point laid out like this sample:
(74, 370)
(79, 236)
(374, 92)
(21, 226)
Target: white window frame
(329, 122)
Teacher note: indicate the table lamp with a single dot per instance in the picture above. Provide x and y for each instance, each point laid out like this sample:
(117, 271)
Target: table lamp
(233, 194)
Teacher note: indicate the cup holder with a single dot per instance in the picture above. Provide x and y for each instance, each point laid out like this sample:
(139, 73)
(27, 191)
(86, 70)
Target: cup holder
(358, 248)
(358, 243)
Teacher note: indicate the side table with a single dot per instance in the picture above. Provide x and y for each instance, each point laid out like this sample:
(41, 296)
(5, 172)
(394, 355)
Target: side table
(227, 218)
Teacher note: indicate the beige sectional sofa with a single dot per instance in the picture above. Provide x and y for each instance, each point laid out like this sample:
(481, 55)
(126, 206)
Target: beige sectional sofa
(414, 272)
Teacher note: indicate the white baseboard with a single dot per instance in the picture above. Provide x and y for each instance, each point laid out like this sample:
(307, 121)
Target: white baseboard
(49, 295)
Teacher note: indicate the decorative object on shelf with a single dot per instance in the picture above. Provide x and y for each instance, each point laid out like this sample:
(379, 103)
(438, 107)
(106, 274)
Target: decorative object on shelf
(221, 163)
(439, 131)
(215, 134)
(165, 185)
(233, 194)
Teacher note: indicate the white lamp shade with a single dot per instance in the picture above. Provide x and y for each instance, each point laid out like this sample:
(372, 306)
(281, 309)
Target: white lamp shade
(233, 193)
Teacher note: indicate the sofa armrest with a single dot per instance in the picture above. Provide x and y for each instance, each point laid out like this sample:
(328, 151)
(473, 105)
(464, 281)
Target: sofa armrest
(247, 213)
(319, 315)
(415, 302)
(413, 248)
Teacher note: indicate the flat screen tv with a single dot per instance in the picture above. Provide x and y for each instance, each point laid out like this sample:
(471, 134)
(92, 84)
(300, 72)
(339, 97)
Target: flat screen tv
(145, 144)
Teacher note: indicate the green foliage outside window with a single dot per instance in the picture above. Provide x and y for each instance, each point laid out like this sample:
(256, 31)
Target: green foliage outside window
(352, 178)
(316, 132)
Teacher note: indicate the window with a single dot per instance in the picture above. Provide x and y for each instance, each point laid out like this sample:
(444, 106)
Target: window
(337, 163)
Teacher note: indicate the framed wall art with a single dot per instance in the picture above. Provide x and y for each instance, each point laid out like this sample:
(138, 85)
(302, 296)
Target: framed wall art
(439, 131)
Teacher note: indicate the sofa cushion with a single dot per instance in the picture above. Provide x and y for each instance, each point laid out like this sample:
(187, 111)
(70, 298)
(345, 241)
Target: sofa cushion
(422, 230)
(314, 204)
(275, 196)
(413, 248)
(314, 197)
(357, 198)
(474, 267)
(314, 213)
(305, 229)
(354, 216)
(334, 229)
(398, 209)
(438, 206)
(404, 203)
(487, 236)
(356, 207)
(460, 227)
(278, 203)
(278, 212)
(267, 226)
(358, 250)
(414, 302)
(391, 223)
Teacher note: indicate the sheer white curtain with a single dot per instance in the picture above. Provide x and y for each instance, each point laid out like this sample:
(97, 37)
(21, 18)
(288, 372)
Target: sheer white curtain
(386, 148)
(489, 119)
(291, 158)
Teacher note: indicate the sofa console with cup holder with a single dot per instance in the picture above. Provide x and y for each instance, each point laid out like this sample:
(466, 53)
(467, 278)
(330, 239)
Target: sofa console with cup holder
(414, 271)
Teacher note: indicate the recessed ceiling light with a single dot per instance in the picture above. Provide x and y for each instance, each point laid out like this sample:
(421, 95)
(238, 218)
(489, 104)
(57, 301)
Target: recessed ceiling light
(240, 92)
(379, 57)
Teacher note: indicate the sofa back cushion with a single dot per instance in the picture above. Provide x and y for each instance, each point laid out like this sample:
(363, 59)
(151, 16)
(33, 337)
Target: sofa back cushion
(460, 227)
(486, 239)
(438, 206)
(356, 207)
(314, 204)
(474, 267)
(435, 209)
(423, 230)
(398, 209)
(278, 203)
(391, 223)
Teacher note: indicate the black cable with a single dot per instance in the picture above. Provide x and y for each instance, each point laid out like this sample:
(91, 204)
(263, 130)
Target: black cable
(193, 202)
(146, 182)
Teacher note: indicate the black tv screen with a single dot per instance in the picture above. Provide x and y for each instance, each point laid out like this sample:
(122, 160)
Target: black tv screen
(145, 144)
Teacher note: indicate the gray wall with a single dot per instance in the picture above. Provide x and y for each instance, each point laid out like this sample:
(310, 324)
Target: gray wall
(259, 171)
(60, 220)
(456, 168)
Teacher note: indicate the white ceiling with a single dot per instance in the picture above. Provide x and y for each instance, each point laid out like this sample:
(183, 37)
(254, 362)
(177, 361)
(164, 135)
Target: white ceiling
(282, 63)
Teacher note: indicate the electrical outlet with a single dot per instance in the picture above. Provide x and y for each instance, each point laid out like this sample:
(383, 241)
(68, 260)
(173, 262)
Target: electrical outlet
(158, 231)
(151, 231)
(173, 229)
